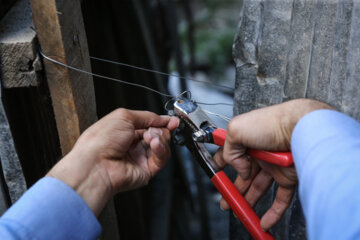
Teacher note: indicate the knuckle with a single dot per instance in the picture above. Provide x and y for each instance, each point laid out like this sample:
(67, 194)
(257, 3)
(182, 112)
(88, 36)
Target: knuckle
(258, 186)
(166, 134)
(236, 126)
(232, 128)
(122, 113)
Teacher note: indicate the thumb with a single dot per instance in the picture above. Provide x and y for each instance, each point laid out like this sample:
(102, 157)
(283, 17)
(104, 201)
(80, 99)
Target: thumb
(234, 155)
(255, 130)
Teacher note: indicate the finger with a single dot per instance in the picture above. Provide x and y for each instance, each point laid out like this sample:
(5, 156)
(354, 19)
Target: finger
(160, 152)
(139, 134)
(258, 187)
(151, 133)
(241, 185)
(224, 205)
(278, 208)
(173, 123)
(235, 157)
(218, 158)
(141, 119)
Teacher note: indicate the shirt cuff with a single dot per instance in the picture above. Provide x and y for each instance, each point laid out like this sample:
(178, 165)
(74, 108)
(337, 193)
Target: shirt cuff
(326, 147)
(319, 132)
(52, 210)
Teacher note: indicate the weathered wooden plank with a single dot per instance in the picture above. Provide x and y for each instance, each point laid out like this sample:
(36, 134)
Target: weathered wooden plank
(340, 52)
(61, 34)
(272, 51)
(19, 60)
(322, 63)
(244, 52)
(300, 45)
(3, 198)
(322, 51)
(351, 94)
(10, 163)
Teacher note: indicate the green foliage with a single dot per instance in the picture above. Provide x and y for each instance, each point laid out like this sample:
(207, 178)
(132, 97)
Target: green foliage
(213, 48)
(215, 26)
(216, 4)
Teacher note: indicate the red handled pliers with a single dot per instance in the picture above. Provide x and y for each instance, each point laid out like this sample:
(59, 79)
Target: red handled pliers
(196, 129)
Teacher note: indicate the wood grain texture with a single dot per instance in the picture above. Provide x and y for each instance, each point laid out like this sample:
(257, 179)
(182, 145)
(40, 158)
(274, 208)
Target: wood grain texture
(10, 163)
(286, 49)
(61, 33)
(62, 36)
(20, 63)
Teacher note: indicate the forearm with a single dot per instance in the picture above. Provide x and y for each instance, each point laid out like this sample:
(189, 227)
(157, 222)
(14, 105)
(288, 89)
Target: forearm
(89, 180)
(326, 149)
(49, 210)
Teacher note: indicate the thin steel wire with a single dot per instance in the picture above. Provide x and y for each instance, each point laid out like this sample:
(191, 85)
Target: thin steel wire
(122, 81)
(159, 72)
(225, 118)
(104, 77)
(220, 103)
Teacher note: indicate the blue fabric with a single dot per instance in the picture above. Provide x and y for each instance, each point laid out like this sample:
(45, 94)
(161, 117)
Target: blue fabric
(49, 210)
(326, 150)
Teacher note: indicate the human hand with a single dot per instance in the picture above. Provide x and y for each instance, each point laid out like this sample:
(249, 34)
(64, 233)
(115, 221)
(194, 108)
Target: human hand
(265, 129)
(122, 151)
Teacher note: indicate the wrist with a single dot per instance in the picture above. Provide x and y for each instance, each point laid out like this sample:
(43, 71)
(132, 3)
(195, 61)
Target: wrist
(296, 110)
(90, 181)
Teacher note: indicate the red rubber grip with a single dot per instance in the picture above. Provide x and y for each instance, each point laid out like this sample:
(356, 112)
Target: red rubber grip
(219, 136)
(240, 206)
(283, 159)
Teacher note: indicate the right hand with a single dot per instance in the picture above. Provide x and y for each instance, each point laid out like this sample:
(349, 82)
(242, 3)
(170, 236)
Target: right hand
(267, 129)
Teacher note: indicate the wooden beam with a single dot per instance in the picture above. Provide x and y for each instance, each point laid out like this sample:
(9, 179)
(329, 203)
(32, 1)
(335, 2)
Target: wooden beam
(20, 63)
(10, 163)
(61, 33)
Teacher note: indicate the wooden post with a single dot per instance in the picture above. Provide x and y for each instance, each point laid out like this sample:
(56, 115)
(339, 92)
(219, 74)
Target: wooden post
(61, 32)
(60, 29)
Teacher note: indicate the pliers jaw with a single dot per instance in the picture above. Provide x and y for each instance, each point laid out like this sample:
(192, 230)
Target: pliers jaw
(193, 132)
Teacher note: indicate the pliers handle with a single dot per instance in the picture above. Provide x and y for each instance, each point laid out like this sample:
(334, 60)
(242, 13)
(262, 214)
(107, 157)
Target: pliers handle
(237, 202)
(283, 159)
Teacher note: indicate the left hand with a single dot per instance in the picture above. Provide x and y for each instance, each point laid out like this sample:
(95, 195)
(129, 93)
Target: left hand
(122, 151)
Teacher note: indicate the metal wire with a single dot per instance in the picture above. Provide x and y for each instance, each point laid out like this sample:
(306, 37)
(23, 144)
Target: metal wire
(159, 72)
(122, 81)
(104, 77)
(218, 115)
(220, 103)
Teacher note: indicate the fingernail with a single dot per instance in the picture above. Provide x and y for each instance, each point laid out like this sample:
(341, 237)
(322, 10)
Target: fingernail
(146, 134)
(155, 132)
(222, 208)
(177, 120)
(160, 144)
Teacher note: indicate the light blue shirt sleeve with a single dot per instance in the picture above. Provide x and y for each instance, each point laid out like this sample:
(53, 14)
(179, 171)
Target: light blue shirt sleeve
(326, 150)
(49, 210)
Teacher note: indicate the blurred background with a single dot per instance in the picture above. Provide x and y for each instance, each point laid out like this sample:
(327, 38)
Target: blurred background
(187, 38)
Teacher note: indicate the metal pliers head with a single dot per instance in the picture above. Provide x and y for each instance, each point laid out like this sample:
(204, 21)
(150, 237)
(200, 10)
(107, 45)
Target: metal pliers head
(195, 128)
